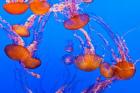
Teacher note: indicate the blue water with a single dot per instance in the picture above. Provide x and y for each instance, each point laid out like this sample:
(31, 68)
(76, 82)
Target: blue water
(121, 15)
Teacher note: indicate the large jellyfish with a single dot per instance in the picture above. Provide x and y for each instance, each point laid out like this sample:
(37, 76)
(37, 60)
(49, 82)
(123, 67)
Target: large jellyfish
(21, 6)
(39, 7)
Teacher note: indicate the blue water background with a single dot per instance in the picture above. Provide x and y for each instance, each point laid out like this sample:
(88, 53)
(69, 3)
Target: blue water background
(121, 15)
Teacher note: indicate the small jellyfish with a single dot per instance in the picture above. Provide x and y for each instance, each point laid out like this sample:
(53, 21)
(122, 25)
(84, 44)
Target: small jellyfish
(68, 59)
(76, 22)
(31, 63)
(39, 7)
(106, 70)
(88, 62)
(15, 7)
(21, 30)
(17, 52)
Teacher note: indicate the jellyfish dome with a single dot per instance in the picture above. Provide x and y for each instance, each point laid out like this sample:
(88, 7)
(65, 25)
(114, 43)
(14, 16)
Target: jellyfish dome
(76, 22)
(88, 62)
(15, 7)
(17, 52)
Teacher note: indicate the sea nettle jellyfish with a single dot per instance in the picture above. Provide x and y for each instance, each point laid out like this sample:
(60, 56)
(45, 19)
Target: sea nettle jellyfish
(15, 6)
(106, 70)
(75, 19)
(76, 22)
(21, 30)
(88, 62)
(124, 68)
(17, 52)
(39, 7)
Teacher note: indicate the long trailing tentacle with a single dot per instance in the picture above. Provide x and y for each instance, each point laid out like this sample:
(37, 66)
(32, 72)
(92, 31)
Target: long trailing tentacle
(38, 33)
(114, 37)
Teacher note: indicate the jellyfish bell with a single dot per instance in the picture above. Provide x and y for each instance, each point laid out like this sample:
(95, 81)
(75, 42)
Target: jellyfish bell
(88, 62)
(17, 52)
(106, 70)
(39, 7)
(21, 30)
(76, 22)
(68, 59)
(124, 70)
(31, 63)
(15, 7)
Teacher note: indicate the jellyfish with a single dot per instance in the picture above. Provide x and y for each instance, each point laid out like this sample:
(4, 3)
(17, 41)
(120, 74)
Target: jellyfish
(17, 52)
(106, 70)
(88, 61)
(23, 30)
(76, 22)
(39, 7)
(124, 68)
(69, 9)
(15, 7)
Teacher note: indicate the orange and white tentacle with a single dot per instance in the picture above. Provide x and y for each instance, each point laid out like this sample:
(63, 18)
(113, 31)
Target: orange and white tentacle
(88, 39)
(30, 21)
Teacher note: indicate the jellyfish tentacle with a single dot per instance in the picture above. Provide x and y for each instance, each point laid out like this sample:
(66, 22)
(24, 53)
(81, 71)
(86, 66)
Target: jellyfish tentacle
(108, 46)
(37, 34)
(88, 39)
(99, 86)
(112, 35)
(80, 39)
(30, 21)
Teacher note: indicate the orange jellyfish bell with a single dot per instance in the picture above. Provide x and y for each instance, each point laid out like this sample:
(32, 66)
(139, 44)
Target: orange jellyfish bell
(124, 70)
(21, 30)
(17, 52)
(31, 63)
(39, 7)
(76, 22)
(88, 62)
(106, 70)
(15, 7)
